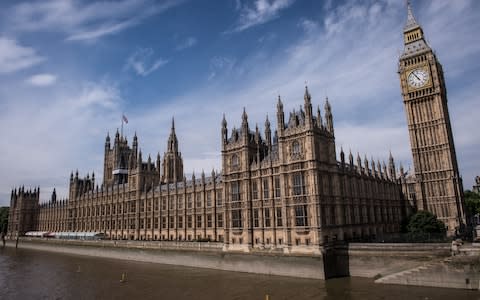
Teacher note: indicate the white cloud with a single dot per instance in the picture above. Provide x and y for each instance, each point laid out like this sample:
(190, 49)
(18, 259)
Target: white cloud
(62, 132)
(143, 62)
(42, 79)
(220, 65)
(262, 11)
(14, 57)
(84, 20)
(186, 43)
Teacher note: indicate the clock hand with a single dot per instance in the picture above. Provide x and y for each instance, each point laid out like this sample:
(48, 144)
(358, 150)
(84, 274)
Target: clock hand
(416, 76)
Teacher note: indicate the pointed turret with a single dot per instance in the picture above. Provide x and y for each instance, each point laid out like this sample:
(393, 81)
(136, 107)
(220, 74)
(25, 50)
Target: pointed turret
(135, 144)
(308, 107)
(172, 159)
(107, 141)
(328, 117)
(342, 157)
(411, 21)
(117, 137)
(374, 169)
(268, 133)
(224, 130)
(54, 196)
(172, 139)
(319, 118)
(359, 163)
(367, 166)
(280, 116)
(139, 160)
(391, 167)
(350, 158)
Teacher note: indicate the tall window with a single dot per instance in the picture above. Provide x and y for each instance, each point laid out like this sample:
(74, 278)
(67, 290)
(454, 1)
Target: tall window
(279, 217)
(199, 221)
(172, 222)
(220, 220)
(209, 220)
(298, 184)
(219, 198)
(301, 216)
(180, 202)
(198, 198)
(180, 222)
(277, 186)
(296, 148)
(189, 201)
(164, 203)
(209, 198)
(235, 162)
(267, 217)
(254, 190)
(255, 217)
(236, 191)
(237, 218)
(189, 221)
(164, 222)
(265, 189)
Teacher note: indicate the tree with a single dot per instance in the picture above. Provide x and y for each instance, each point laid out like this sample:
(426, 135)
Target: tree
(472, 203)
(425, 223)
(3, 219)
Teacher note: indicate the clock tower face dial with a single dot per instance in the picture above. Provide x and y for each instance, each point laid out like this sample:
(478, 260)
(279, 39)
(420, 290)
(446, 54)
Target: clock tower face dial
(418, 78)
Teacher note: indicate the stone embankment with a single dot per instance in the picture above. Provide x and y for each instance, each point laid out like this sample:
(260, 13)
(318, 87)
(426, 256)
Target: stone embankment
(189, 254)
(461, 271)
(410, 264)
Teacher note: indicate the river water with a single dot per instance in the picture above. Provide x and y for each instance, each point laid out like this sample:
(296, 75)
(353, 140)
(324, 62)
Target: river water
(30, 274)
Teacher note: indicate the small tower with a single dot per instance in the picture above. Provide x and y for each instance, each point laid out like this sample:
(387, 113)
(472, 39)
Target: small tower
(308, 108)
(224, 131)
(172, 159)
(328, 117)
(391, 167)
(280, 117)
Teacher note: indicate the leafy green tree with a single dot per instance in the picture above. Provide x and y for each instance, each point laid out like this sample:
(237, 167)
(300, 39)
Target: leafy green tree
(472, 203)
(424, 222)
(3, 218)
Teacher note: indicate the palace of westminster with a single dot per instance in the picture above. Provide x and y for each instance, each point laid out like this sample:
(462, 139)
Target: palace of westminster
(284, 188)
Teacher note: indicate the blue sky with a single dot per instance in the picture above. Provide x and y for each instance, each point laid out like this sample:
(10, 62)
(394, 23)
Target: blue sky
(68, 69)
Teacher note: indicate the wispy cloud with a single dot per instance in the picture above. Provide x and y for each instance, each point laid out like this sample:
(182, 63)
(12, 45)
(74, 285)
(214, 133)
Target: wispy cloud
(262, 11)
(186, 43)
(143, 62)
(14, 57)
(42, 80)
(81, 20)
(64, 125)
(220, 65)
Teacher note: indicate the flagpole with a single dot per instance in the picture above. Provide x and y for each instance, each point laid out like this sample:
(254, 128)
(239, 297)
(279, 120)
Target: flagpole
(122, 127)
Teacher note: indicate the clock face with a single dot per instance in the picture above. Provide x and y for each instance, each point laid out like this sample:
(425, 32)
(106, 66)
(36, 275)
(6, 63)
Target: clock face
(417, 78)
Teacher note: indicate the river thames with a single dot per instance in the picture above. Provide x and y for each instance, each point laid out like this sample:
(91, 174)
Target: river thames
(30, 274)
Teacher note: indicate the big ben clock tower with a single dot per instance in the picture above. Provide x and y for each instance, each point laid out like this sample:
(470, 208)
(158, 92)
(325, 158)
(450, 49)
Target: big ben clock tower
(438, 186)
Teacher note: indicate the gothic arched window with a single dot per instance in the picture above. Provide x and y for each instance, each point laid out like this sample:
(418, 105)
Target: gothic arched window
(235, 163)
(296, 149)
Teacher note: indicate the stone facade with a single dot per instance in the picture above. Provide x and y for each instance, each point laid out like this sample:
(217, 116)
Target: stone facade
(282, 190)
(438, 185)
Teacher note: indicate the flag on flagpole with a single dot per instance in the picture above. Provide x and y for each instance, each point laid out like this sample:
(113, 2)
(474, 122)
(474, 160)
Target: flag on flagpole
(124, 118)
